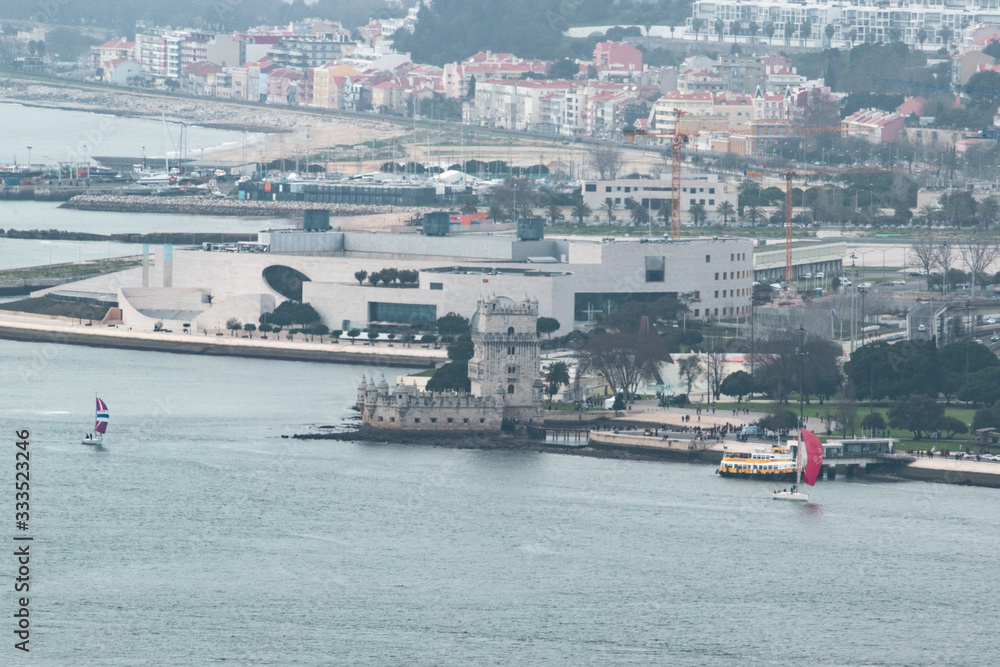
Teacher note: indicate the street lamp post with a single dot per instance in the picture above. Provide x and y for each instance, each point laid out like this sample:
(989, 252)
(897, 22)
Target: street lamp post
(29, 157)
(863, 291)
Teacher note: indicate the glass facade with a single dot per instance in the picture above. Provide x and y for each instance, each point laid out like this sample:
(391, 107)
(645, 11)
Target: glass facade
(402, 313)
(587, 303)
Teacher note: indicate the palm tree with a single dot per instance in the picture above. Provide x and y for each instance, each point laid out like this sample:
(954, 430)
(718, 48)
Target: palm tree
(921, 37)
(557, 374)
(928, 214)
(753, 29)
(610, 207)
(581, 210)
(945, 34)
(697, 25)
(852, 35)
(754, 214)
(697, 212)
(639, 214)
(726, 210)
(720, 27)
(554, 214)
(830, 29)
(769, 31)
(734, 29)
(789, 31)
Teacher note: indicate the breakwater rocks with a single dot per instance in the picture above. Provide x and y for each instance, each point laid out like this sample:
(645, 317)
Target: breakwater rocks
(219, 206)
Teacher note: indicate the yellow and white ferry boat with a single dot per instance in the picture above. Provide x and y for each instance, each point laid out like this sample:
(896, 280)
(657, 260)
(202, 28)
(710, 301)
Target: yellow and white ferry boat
(775, 463)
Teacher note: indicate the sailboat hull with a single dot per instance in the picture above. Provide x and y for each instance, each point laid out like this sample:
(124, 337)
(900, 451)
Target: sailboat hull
(795, 497)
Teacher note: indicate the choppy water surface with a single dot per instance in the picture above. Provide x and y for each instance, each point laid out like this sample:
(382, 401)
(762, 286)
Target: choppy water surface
(201, 535)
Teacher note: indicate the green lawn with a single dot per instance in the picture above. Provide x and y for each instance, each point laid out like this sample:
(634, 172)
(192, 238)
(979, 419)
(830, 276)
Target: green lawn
(47, 306)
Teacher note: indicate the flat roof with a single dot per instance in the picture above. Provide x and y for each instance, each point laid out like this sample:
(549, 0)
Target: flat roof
(492, 271)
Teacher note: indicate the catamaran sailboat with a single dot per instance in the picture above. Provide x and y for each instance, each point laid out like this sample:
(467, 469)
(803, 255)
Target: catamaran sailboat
(96, 437)
(812, 448)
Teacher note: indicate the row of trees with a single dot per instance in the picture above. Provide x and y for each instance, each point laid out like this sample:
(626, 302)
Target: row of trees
(388, 277)
(977, 251)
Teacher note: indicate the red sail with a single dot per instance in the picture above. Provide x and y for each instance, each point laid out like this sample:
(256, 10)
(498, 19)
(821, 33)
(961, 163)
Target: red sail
(814, 457)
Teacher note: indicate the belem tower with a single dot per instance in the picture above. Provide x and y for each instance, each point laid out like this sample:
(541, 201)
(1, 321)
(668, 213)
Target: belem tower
(503, 372)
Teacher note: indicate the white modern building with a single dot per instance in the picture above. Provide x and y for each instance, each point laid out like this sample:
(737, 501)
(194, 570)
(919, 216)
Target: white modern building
(655, 194)
(873, 20)
(571, 280)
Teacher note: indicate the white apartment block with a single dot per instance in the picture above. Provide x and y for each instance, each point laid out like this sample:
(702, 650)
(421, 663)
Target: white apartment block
(566, 108)
(877, 20)
(656, 194)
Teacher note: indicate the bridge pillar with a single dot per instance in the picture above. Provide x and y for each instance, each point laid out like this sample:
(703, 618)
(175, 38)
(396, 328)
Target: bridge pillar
(831, 472)
(850, 471)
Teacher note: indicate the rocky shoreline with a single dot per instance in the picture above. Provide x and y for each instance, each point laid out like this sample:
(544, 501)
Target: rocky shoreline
(219, 206)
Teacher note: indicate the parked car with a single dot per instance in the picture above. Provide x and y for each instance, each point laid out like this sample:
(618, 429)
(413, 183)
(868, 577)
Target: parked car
(820, 275)
(922, 327)
(899, 281)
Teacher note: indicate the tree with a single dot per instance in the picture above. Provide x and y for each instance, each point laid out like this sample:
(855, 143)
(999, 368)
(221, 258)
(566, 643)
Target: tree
(453, 324)
(233, 325)
(697, 25)
(581, 211)
(639, 215)
(372, 336)
(829, 30)
(291, 312)
(874, 422)
(468, 206)
(360, 276)
(606, 159)
(720, 27)
(556, 375)
(753, 29)
(689, 369)
(754, 214)
(981, 249)
(769, 31)
(945, 34)
(951, 426)
(726, 210)
(920, 414)
(945, 255)
(610, 207)
(882, 370)
(352, 334)
(554, 214)
(335, 335)
(496, 213)
(715, 365)
(981, 387)
(515, 195)
(924, 251)
(921, 37)
(452, 376)
(697, 212)
(563, 69)
(789, 31)
(624, 360)
(779, 420)
(738, 384)
(547, 325)
(250, 327)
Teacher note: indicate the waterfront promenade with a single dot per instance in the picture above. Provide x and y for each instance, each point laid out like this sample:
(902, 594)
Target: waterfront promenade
(58, 330)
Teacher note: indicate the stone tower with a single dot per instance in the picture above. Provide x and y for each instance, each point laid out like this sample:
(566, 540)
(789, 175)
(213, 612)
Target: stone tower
(507, 355)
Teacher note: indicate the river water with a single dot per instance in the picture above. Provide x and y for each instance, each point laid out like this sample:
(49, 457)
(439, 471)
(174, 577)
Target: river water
(59, 135)
(29, 215)
(201, 535)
